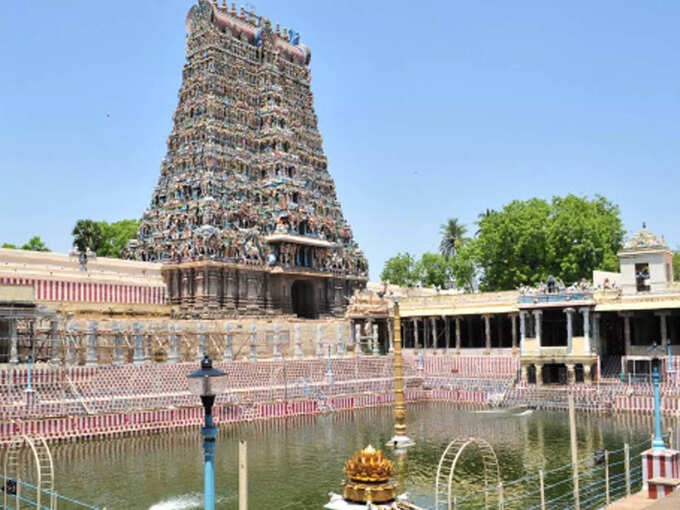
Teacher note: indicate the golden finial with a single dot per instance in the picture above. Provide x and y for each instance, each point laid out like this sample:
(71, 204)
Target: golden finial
(278, 29)
(243, 13)
(233, 9)
(285, 33)
(224, 5)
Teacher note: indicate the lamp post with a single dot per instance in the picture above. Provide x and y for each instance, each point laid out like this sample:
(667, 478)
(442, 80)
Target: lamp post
(400, 439)
(657, 443)
(207, 383)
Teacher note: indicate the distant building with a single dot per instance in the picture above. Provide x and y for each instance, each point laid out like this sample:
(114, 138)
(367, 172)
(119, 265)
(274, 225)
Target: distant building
(621, 323)
(245, 218)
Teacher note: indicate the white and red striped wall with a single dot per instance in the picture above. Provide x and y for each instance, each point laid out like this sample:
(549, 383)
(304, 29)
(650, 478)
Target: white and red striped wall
(659, 464)
(91, 292)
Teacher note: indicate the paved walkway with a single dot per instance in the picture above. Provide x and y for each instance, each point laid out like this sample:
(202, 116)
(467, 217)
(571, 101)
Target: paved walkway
(640, 501)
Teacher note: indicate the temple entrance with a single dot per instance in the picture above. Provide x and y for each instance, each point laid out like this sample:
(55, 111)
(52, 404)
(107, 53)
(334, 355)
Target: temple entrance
(302, 296)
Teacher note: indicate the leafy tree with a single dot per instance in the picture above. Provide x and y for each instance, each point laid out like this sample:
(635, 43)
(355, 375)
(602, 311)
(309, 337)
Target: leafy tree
(512, 244)
(35, 244)
(676, 265)
(583, 235)
(528, 240)
(116, 236)
(463, 267)
(400, 270)
(433, 270)
(453, 235)
(87, 235)
(9, 246)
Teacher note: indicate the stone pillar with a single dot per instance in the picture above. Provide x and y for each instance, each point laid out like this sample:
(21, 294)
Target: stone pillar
(433, 321)
(626, 332)
(525, 373)
(487, 332)
(72, 344)
(201, 343)
(118, 358)
(13, 343)
(228, 342)
(173, 344)
(587, 376)
(586, 330)
(390, 334)
(571, 373)
(374, 340)
(253, 342)
(458, 319)
(298, 341)
(54, 341)
(138, 342)
(277, 342)
(664, 329)
(357, 339)
(447, 333)
(426, 332)
(416, 343)
(539, 374)
(319, 341)
(522, 331)
(596, 333)
(513, 323)
(570, 328)
(340, 348)
(91, 360)
(537, 318)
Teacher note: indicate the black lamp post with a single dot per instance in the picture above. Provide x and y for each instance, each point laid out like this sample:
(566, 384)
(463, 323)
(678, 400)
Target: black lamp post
(207, 383)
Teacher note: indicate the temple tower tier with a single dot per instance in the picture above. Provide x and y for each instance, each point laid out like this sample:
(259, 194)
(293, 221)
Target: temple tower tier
(245, 218)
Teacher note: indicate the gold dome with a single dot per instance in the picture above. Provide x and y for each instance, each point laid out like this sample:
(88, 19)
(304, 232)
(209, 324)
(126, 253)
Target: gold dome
(369, 465)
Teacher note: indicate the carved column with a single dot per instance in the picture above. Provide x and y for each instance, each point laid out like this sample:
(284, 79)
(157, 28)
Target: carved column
(596, 333)
(586, 330)
(357, 339)
(433, 321)
(571, 373)
(173, 343)
(587, 376)
(525, 373)
(374, 340)
(13, 342)
(416, 343)
(228, 343)
(138, 343)
(54, 340)
(390, 335)
(118, 358)
(298, 341)
(522, 331)
(487, 332)
(513, 323)
(537, 318)
(91, 360)
(626, 332)
(570, 328)
(664, 329)
(539, 374)
(458, 319)
(253, 342)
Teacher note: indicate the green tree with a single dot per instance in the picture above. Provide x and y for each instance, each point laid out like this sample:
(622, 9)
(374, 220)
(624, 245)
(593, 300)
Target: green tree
(583, 235)
(453, 235)
(35, 244)
(115, 237)
(433, 270)
(87, 235)
(400, 270)
(512, 244)
(676, 266)
(528, 240)
(463, 267)
(9, 246)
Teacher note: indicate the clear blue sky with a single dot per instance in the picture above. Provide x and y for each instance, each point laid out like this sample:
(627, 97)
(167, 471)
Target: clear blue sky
(428, 110)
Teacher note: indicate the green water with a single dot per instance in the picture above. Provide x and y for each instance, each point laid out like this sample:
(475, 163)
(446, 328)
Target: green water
(294, 463)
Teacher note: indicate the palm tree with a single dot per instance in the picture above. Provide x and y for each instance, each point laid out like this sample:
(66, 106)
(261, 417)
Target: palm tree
(453, 235)
(87, 235)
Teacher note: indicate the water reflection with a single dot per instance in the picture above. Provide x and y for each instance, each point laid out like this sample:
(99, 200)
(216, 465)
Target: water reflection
(297, 461)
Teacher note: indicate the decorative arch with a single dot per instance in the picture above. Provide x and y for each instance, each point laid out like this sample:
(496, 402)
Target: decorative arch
(44, 469)
(447, 467)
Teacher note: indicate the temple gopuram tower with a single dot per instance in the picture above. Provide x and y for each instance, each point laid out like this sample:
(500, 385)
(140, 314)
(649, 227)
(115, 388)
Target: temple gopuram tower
(245, 218)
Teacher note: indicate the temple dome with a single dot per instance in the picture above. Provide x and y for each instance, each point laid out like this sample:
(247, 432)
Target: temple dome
(645, 239)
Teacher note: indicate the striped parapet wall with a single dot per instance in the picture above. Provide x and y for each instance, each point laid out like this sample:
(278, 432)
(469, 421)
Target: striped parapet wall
(91, 292)
(495, 366)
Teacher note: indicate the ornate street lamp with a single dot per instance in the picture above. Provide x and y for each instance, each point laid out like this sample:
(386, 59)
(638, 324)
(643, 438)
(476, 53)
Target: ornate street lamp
(207, 383)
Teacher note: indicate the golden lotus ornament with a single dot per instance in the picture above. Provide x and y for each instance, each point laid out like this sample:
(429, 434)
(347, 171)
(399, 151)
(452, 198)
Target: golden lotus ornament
(369, 474)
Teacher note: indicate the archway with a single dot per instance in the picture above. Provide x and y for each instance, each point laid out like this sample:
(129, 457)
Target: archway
(302, 297)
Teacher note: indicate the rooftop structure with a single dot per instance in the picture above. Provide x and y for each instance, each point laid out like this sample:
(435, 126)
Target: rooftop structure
(245, 216)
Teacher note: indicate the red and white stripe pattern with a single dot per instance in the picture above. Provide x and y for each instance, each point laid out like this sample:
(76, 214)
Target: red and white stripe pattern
(659, 464)
(91, 292)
